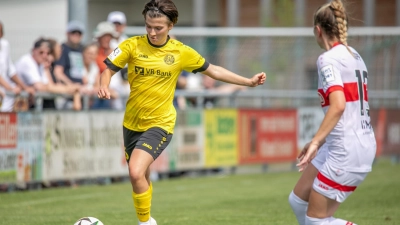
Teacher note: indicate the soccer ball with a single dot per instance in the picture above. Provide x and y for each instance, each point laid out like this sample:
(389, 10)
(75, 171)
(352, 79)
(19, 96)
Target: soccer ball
(88, 221)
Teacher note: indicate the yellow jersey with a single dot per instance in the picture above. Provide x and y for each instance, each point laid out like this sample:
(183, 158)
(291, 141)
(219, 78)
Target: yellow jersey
(152, 74)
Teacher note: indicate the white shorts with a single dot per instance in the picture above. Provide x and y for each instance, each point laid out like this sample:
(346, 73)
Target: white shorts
(333, 182)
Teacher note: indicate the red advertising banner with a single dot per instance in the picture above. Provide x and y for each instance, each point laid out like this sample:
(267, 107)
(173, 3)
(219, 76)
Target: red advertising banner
(386, 124)
(267, 136)
(8, 130)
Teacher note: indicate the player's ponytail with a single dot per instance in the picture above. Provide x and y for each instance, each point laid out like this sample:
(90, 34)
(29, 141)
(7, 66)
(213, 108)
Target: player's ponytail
(332, 18)
(341, 20)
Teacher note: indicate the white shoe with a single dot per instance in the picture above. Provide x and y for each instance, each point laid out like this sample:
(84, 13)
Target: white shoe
(150, 222)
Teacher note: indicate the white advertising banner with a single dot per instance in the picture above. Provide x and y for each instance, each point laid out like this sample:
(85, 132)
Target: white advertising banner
(310, 119)
(67, 153)
(83, 145)
(107, 144)
(189, 137)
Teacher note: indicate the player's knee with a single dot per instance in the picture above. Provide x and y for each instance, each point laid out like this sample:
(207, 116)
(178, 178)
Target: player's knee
(296, 202)
(136, 175)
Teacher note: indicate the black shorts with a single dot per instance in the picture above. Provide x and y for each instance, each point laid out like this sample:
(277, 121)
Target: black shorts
(153, 141)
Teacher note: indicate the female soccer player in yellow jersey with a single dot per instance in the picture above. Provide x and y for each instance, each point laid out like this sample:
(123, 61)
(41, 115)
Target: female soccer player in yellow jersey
(154, 64)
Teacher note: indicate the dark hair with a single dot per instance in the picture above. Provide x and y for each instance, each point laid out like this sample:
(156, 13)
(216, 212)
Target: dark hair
(333, 20)
(52, 45)
(40, 42)
(158, 8)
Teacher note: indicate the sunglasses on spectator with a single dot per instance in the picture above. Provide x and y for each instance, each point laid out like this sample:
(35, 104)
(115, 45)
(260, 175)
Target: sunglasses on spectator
(76, 32)
(44, 53)
(117, 23)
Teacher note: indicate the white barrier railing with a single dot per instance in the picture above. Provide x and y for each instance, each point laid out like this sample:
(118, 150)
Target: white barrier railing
(260, 98)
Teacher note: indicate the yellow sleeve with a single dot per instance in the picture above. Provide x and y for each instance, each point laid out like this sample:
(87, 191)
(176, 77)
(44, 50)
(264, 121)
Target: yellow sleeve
(121, 55)
(192, 61)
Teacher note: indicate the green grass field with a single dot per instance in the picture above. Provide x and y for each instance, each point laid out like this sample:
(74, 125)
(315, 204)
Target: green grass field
(255, 199)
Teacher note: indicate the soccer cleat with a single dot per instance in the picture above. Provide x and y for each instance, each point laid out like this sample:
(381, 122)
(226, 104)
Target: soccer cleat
(150, 222)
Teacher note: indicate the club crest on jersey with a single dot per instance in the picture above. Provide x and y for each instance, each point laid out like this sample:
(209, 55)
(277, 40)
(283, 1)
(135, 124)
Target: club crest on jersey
(321, 97)
(169, 59)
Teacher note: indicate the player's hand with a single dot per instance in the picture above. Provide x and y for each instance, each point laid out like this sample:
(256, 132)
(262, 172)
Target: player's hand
(258, 79)
(103, 93)
(306, 155)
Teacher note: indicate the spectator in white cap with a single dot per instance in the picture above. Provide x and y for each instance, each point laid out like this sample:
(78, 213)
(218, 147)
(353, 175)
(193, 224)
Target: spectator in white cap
(119, 20)
(105, 31)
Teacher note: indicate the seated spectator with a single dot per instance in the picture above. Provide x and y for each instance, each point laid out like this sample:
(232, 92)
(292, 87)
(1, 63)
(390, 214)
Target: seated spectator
(91, 70)
(54, 56)
(34, 70)
(91, 76)
(210, 84)
(9, 81)
(119, 20)
(105, 31)
(198, 82)
(69, 69)
(181, 84)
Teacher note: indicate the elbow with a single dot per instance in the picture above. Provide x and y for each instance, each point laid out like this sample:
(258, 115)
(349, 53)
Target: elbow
(339, 108)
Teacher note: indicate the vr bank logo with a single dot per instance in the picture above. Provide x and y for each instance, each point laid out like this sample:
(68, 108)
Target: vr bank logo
(139, 70)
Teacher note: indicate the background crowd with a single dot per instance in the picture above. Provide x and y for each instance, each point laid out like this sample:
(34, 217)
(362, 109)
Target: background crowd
(64, 73)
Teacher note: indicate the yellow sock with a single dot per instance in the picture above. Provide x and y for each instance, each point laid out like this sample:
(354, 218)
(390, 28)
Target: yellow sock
(142, 203)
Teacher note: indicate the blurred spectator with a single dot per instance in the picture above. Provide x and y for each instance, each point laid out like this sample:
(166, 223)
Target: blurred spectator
(54, 56)
(119, 20)
(119, 81)
(69, 68)
(34, 70)
(105, 31)
(210, 84)
(198, 82)
(181, 84)
(9, 79)
(119, 86)
(103, 34)
(91, 70)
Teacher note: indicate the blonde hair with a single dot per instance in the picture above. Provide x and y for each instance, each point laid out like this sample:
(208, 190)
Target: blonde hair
(332, 18)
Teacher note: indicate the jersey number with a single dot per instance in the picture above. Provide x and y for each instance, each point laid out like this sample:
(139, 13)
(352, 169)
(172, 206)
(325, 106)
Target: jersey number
(361, 80)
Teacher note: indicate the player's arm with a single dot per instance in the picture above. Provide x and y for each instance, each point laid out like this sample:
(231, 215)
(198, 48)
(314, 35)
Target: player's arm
(332, 116)
(105, 79)
(222, 74)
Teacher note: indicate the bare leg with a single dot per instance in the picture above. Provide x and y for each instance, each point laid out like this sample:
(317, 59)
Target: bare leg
(304, 185)
(298, 199)
(139, 171)
(321, 206)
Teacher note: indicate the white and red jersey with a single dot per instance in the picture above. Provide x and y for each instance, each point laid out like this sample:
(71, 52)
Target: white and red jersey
(351, 143)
